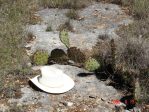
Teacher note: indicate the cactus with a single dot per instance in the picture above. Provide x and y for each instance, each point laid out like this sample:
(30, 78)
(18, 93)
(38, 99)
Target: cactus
(58, 56)
(40, 57)
(91, 64)
(64, 38)
(76, 55)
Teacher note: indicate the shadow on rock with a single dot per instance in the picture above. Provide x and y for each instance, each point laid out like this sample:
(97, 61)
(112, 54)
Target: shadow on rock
(129, 101)
(34, 87)
(85, 74)
(101, 75)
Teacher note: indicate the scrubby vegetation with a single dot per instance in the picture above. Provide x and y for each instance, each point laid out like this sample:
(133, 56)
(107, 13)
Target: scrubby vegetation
(125, 60)
(135, 48)
(14, 15)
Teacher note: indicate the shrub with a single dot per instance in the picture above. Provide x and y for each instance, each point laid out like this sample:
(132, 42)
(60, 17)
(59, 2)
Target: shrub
(91, 64)
(72, 14)
(76, 55)
(131, 61)
(102, 51)
(40, 57)
(64, 37)
(66, 26)
(132, 54)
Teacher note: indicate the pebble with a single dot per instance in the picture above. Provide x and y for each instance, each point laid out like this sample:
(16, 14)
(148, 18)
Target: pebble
(69, 104)
(29, 64)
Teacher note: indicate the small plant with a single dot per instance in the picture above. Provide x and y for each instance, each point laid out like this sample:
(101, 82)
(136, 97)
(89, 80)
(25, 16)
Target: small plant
(49, 28)
(40, 58)
(66, 26)
(76, 55)
(64, 38)
(34, 19)
(30, 37)
(72, 14)
(91, 64)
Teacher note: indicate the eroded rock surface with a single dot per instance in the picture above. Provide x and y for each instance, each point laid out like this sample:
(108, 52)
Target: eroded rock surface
(98, 19)
(87, 95)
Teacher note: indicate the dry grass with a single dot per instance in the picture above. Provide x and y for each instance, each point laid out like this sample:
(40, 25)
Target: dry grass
(75, 4)
(14, 15)
(140, 8)
(66, 26)
(132, 54)
(72, 14)
(132, 49)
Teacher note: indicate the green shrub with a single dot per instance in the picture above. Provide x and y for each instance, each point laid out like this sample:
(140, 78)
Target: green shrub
(76, 55)
(91, 64)
(64, 37)
(40, 58)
